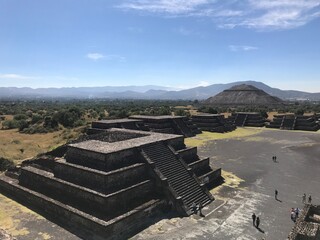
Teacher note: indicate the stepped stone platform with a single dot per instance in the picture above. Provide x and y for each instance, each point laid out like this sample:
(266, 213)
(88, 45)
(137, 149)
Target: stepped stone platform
(113, 184)
(294, 122)
(247, 119)
(167, 124)
(213, 123)
(126, 123)
(307, 226)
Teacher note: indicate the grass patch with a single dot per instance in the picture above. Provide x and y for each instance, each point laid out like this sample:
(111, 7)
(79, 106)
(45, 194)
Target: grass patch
(12, 214)
(19, 146)
(230, 180)
(204, 137)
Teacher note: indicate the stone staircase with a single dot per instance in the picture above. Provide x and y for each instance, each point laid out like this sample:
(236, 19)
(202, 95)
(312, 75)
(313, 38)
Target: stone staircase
(240, 120)
(185, 130)
(182, 182)
(288, 123)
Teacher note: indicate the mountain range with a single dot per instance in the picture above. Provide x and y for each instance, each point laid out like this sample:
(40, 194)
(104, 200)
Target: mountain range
(148, 92)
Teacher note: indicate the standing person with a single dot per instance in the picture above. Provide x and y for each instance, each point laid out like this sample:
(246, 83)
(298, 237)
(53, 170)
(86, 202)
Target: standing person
(254, 219)
(194, 207)
(304, 198)
(309, 199)
(200, 210)
(276, 194)
(297, 210)
(257, 222)
(275, 158)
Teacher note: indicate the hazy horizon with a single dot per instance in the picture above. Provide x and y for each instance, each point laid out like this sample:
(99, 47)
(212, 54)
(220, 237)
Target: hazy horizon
(176, 44)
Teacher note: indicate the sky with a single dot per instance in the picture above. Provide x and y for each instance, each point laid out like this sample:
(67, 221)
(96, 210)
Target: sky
(174, 43)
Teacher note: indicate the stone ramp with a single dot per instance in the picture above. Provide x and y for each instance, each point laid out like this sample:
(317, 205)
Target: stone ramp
(180, 179)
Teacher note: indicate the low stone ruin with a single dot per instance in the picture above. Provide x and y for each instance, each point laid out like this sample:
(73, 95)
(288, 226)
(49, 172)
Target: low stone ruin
(166, 124)
(114, 183)
(294, 122)
(247, 119)
(212, 123)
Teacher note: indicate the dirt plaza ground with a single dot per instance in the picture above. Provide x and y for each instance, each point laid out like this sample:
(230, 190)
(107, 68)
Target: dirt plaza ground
(251, 177)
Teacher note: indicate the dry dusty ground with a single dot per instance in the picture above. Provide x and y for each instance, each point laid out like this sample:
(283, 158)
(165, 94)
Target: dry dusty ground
(19, 146)
(250, 180)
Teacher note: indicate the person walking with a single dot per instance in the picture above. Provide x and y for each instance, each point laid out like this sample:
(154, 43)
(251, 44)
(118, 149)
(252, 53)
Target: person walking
(254, 219)
(276, 194)
(304, 198)
(257, 222)
(309, 199)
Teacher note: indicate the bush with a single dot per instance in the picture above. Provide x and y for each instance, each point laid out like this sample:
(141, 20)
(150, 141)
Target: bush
(36, 118)
(23, 124)
(5, 164)
(10, 124)
(20, 117)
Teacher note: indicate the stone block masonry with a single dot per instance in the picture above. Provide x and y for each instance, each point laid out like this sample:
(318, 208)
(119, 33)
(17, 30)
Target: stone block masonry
(112, 184)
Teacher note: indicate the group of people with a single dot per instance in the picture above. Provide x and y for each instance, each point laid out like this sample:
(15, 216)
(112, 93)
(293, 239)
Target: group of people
(294, 214)
(255, 220)
(197, 208)
(304, 198)
(274, 158)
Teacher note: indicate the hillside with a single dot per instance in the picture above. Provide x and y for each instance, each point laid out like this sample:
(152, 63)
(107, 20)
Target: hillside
(149, 92)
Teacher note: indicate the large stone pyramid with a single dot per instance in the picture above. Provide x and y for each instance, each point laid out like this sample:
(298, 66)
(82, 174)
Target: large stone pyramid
(243, 95)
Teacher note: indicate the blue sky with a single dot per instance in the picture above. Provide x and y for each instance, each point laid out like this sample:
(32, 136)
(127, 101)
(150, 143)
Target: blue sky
(176, 43)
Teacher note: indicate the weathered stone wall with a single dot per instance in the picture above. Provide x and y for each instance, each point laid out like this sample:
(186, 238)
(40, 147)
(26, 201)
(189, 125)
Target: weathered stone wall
(101, 161)
(82, 198)
(189, 154)
(104, 182)
(197, 166)
(84, 225)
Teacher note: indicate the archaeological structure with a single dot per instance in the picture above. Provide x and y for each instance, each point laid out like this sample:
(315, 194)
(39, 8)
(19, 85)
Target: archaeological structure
(168, 124)
(307, 226)
(213, 123)
(247, 119)
(243, 95)
(294, 122)
(114, 182)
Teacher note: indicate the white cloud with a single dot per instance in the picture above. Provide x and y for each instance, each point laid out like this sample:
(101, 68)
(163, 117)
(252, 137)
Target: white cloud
(237, 48)
(95, 56)
(164, 6)
(111, 57)
(255, 14)
(15, 76)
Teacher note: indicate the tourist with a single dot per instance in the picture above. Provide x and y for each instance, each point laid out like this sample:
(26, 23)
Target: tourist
(297, 210)
(254, 219)
(309, 199)
(200, 210)
(276, 194)
(293, 215)
(257, 222)
(194, 208)
(304, 198)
